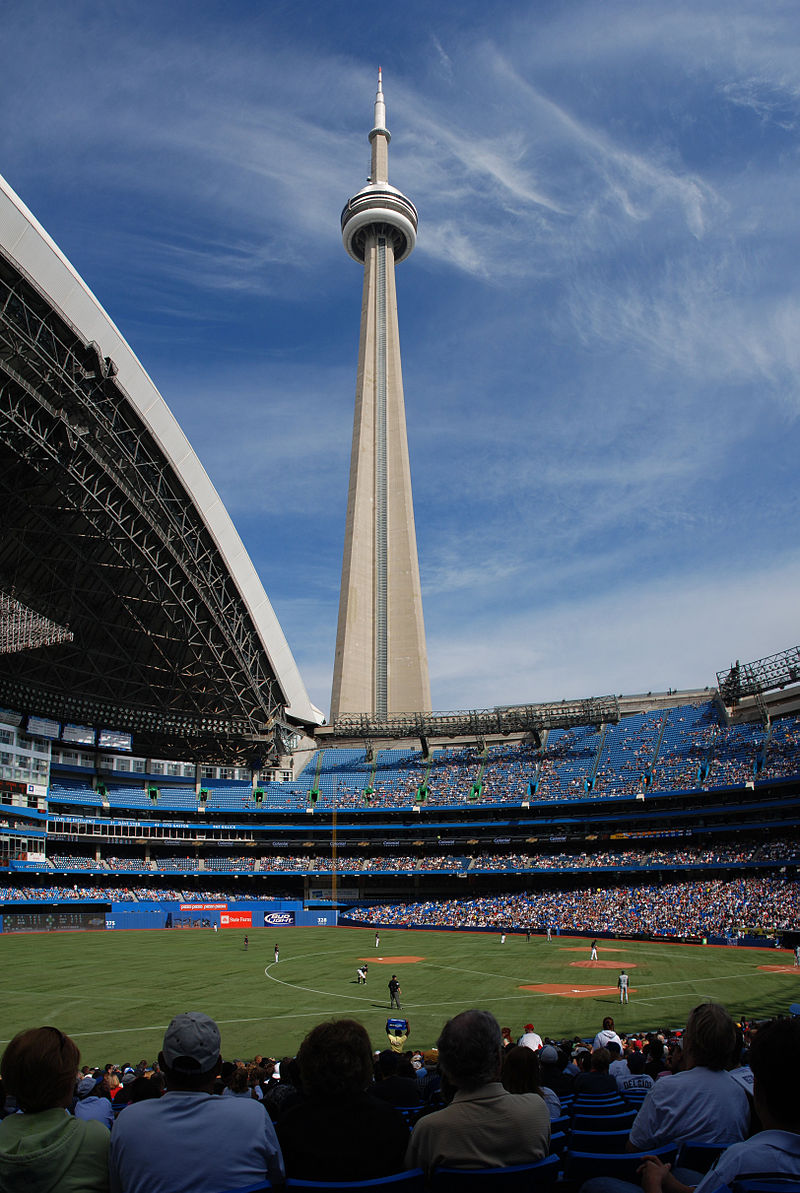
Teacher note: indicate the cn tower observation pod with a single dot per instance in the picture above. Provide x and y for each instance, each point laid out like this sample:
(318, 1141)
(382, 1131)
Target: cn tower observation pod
(383, 205)
(110, 527)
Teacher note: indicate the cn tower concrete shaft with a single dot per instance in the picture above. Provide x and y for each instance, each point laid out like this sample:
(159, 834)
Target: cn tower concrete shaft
(381, 663)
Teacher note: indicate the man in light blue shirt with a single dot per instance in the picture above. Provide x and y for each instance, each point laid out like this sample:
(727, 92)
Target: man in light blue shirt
(191, 1141)
(703, 1102)
(773, 1152)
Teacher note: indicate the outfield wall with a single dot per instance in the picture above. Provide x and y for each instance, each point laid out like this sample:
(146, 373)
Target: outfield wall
(155, 913)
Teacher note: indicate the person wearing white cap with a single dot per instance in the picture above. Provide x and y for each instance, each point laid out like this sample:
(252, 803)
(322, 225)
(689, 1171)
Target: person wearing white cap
(191, 1141)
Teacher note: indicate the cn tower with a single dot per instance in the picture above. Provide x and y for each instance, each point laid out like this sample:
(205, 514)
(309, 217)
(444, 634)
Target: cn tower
(381, 664)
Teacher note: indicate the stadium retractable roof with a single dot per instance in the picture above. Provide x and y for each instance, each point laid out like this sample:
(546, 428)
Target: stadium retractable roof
(111, 530)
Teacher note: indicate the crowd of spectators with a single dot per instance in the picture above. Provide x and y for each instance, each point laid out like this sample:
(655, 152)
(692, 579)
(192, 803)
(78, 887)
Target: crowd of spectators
(778, 849)
(690, 909)
(131, 894)
(340, 1111)
(684, 910)
(685, 748)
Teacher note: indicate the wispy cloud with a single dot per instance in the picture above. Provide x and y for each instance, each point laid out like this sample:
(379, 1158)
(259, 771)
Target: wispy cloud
(673, 633)
(599, 325)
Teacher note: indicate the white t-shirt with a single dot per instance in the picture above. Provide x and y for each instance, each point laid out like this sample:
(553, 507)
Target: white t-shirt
(700, 1104)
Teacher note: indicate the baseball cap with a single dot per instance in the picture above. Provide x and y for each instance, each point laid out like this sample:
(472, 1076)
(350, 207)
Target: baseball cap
(549, 1055)
(191, 1043)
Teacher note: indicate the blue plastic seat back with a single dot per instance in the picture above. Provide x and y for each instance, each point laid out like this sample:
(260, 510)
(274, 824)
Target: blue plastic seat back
(516, 1178)
(580, 1166)
(261, 1187)
(699, 1156)
(558, 1142)
(596, 1106)
(604, 1122)
(412, 1181)
(598, 1141)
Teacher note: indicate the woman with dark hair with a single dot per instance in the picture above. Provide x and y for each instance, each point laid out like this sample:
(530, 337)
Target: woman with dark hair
(45, 1147)
(340, 1132)
(522, 1074)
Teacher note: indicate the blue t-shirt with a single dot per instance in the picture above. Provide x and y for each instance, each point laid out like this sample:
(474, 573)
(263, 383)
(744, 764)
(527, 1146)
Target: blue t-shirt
(193, 1143)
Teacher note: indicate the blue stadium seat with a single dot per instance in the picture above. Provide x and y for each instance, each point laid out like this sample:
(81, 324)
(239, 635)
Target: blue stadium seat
(598, 1141)
(412, 1181)
(516, 1178)
(598, 1121)
(699, 1156)
(580, 1166)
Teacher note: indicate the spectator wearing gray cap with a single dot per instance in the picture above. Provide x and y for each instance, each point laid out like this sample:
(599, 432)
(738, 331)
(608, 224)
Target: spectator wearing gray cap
(190, 1141)
(553, 1074)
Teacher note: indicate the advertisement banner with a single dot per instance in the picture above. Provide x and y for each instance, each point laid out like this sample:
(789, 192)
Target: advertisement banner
(278, 919)
(204, 906)
(236, 919)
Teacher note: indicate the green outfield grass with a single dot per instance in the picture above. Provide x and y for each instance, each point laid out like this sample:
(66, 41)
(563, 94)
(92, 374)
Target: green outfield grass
(114, 992)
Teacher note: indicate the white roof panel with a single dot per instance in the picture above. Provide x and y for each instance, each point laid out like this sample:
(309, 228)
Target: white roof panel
(38, 256)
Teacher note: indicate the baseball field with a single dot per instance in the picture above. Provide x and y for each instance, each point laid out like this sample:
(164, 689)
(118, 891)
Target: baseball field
(114, 992)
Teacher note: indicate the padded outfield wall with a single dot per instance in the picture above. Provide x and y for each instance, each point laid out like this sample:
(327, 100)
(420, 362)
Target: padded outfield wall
(98, 917)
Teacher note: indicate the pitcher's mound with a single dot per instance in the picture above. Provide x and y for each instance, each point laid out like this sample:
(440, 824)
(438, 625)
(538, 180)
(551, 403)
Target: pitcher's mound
(373, 960)
(598, 965)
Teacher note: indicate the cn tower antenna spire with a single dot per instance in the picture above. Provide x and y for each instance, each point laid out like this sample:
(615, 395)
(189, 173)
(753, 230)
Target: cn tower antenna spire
(381, 663)
(380, 137)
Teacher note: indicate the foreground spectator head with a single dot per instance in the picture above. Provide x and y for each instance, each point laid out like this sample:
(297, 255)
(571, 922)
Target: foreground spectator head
(636, 1063)
(190, 1054)
(521, 1071)
(775, 1061)
(387, 1063)
(335, 1058)
(710, 1036)
(39, 1068)
(45, 1148)
(601, 1059)
(470, 1049)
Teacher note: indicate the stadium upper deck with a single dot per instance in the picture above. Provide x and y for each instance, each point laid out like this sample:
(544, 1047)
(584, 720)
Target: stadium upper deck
(675, 791)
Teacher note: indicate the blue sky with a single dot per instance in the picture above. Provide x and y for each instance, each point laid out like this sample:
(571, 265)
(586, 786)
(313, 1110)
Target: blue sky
(599, 325)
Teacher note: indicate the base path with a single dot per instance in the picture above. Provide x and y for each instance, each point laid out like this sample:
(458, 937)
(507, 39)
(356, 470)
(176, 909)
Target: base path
(795, 969)
(575, 991)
